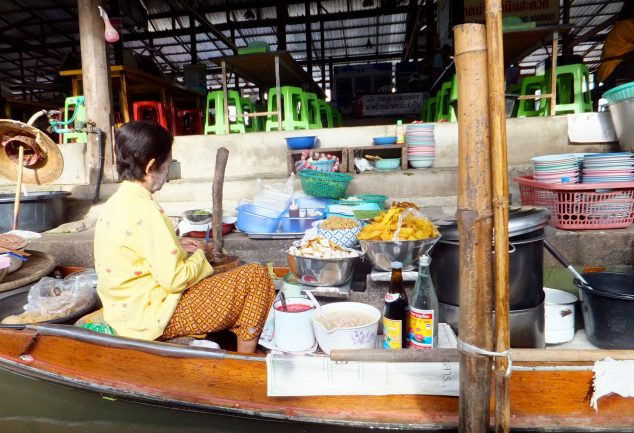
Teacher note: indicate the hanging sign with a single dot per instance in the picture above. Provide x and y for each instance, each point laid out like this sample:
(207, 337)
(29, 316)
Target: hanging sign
(390, 103)
(542, 12)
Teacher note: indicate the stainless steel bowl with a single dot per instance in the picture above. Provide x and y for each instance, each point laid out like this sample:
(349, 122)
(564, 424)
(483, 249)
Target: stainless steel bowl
(383, 253)
(321, 272)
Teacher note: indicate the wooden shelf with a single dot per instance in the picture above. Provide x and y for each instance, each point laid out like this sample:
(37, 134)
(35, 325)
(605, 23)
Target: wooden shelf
(385, 151)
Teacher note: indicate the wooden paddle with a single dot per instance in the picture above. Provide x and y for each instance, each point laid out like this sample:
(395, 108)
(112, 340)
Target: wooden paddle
(220, 262)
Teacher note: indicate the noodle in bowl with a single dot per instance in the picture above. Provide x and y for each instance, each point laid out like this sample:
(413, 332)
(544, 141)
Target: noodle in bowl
(346, 325)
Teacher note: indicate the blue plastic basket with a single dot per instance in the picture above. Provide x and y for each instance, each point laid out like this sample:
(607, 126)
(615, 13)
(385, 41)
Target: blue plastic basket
(624, 91)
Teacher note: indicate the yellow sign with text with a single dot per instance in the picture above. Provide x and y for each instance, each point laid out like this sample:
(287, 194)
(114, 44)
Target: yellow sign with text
(542, 12)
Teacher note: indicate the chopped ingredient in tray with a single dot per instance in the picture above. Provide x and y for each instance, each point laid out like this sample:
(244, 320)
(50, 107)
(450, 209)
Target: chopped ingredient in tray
(412, 225)
(339, 223)
(321, 248)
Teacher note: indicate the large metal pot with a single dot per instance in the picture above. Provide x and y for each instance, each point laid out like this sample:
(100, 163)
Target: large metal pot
(526, 259)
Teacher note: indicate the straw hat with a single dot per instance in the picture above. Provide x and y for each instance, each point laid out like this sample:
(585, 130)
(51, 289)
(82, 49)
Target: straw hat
(44, 161)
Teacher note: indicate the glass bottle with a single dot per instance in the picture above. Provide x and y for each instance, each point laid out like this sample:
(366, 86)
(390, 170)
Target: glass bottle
(395, 313)
(423, 313)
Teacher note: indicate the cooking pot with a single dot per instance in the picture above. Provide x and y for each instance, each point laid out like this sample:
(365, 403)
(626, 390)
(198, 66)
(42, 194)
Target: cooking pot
(607, 305)
(526, 259)
(526, 326)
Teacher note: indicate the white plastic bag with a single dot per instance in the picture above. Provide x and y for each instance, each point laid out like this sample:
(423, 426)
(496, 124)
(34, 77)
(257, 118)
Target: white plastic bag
(53, 296)
(274, 195)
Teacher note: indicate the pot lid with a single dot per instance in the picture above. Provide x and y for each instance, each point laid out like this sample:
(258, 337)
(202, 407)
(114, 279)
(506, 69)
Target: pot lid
(522, 220)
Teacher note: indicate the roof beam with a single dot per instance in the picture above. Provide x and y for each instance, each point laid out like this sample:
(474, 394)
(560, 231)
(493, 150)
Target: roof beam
(205, 22)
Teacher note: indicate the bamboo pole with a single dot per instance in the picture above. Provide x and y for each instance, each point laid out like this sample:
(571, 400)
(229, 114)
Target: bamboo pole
(474, 225)
(18, 188)
(499, 169)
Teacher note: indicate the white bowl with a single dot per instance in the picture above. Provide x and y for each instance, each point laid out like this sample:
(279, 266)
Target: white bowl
(357, 337)
(421, 163)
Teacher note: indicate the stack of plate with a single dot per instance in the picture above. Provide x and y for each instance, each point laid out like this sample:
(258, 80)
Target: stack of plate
(562, 168)
(421, 147)
(608, 167)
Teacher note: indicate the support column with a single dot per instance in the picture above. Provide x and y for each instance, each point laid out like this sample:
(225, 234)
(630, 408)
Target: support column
(282, 17)
(97, 90)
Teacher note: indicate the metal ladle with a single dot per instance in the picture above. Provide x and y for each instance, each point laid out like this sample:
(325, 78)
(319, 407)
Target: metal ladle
(551, 249)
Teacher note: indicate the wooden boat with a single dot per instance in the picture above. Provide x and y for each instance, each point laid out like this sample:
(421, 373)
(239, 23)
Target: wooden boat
(52, 374)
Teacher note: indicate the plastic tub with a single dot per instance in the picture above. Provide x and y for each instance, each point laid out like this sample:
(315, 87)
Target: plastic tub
(39, 211)
(559, 316)
(301, 143)
(388, 164)
(299, 224)
(607, 307)
(255, 219)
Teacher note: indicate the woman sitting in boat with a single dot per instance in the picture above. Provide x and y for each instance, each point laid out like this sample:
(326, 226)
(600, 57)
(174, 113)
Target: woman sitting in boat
(153, 285)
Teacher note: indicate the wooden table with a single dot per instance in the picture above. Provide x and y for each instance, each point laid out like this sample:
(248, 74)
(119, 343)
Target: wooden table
(265, 70)
(129, 81)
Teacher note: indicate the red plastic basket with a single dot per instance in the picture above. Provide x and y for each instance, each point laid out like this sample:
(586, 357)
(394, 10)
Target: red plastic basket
(581, 206)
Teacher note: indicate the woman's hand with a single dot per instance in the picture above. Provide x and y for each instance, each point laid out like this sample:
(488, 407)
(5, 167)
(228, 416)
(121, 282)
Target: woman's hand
(190, 244)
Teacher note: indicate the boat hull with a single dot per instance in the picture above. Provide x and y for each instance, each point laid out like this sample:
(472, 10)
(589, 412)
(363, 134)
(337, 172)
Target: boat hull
(85, 377)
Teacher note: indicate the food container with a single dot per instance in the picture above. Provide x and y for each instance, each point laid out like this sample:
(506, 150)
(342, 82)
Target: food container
(607, 307)
(322, 272)
(301, 143)
(256, 219)
(526, 325)
(387, 164)
(39, 211)
(350, 337)
(302, 223)
(559, 316)
(383, 253)
(346, 238)
(381, 141)
(526, 259)
(293, 328)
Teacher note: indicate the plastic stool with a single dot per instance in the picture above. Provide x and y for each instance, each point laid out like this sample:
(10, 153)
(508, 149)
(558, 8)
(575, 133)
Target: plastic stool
(453, 99)
(442, 102)
(187, 122)
(324, 114)
(428, 113)
(337, 118)
(573, 89)
(152, 111)
(75, 106)
(292, 118)
(251, 124)
(311, 102)
(215, 101)
(529, 107)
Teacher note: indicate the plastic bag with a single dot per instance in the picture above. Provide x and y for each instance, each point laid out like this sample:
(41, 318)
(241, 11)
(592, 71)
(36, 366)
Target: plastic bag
(414, 225)
(274, 195)
(58, 298)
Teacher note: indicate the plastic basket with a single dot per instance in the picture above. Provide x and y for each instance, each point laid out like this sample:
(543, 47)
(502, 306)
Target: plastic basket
(324, 184)
(624, 91)
(581, 206)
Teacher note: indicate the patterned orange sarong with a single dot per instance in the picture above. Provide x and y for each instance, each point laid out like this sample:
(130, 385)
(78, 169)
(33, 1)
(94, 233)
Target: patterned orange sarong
(238, 300)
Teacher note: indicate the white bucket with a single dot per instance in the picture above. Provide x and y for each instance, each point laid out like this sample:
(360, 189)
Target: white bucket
(293, 329)
(559, 315)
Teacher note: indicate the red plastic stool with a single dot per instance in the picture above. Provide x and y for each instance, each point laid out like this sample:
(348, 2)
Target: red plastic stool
(188, 122)
(152, 111)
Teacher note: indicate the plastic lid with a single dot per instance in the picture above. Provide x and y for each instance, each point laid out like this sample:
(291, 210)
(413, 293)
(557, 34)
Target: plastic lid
(424, 260)
(396, 265)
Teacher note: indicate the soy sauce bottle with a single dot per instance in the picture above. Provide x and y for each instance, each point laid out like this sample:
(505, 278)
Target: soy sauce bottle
(396, 311)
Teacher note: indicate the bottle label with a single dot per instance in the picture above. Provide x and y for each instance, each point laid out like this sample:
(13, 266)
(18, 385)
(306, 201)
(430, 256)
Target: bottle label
(392, 334)
(391, 297)
(421, 328)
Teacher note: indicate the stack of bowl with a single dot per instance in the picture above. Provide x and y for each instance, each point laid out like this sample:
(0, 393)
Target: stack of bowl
(421, 147)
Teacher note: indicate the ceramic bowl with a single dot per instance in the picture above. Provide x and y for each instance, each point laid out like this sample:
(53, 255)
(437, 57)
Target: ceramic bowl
(388, 164)
(346, 238)
(421, 163)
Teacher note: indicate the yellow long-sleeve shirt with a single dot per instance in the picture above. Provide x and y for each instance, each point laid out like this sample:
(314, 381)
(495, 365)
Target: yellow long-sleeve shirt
(141, 266)
(619, 42)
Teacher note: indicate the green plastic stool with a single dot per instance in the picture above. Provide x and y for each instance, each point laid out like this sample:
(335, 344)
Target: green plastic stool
(325, 114)
(573, 89)
(294, 113)
(429, 110)
(252, 124)
(442, 102)
(75, 106)
(453, 99)
(533, 107)
(311, 102)
(215, 100)
(514, 89)
(337, 118)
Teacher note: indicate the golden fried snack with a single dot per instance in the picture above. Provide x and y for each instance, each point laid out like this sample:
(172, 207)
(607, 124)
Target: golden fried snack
(412, 226)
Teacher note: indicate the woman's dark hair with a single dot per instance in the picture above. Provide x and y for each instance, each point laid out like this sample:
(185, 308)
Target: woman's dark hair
(136, 143)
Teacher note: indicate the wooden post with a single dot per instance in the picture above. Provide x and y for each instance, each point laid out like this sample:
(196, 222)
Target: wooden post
(225, 94)
(97, 90)
(553, 74)
(222, 155)
(499, 173)
(279, 95)
(474, 225)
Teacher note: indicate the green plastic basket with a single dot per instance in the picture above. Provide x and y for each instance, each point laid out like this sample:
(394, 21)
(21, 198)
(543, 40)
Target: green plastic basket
(356, 199)
(324, 184)
(624, 91)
